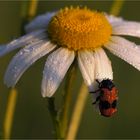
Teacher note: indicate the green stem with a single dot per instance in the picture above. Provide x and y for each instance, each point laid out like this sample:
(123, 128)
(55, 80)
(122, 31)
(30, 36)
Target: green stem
(77, 113)
(54, 116)
(60, 117)
(28, 11)
(24, 9)
(9, 115)
(33, 8)
(67, 100)
(116, 7)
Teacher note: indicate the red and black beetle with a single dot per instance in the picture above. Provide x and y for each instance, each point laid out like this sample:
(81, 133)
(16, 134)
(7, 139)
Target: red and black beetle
(108, 96)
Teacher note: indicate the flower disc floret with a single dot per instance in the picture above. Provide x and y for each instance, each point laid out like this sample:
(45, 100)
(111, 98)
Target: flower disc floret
(79, 28)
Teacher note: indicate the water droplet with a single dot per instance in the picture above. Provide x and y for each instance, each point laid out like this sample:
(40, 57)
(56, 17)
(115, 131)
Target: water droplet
(20, 52)
(136, 47)
(26, 50)
(15, 67)
(125, 50)
(15, 75)
(13, 42)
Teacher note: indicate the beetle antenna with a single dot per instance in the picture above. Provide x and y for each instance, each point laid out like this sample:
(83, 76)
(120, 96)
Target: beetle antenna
(97, 81)
(95, 91)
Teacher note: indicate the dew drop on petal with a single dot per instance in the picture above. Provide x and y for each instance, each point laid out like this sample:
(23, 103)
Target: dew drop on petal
(125, 50)
(26, 50)
(21, 53)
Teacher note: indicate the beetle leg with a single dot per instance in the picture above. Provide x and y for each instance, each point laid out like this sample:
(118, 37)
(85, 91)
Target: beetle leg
(97, 81)
(97, 99)
(95, 91)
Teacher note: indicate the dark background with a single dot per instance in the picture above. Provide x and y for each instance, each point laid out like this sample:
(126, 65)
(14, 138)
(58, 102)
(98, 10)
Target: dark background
(32, 119)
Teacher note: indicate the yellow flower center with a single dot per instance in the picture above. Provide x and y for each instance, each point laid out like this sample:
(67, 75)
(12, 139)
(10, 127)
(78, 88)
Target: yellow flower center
(77, 29)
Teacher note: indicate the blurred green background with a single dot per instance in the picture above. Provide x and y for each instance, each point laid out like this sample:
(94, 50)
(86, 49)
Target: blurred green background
(32, 119)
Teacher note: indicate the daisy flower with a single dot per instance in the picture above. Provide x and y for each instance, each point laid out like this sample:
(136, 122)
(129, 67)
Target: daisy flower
(68, 34)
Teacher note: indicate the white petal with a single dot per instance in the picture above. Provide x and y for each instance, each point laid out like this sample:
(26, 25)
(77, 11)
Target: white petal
(55, 69)
(103, 69)
(22, 41)
(25, 58)
(86, 62)
(127, 28)
(126, 50)
(124, 27)
(39, 22)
